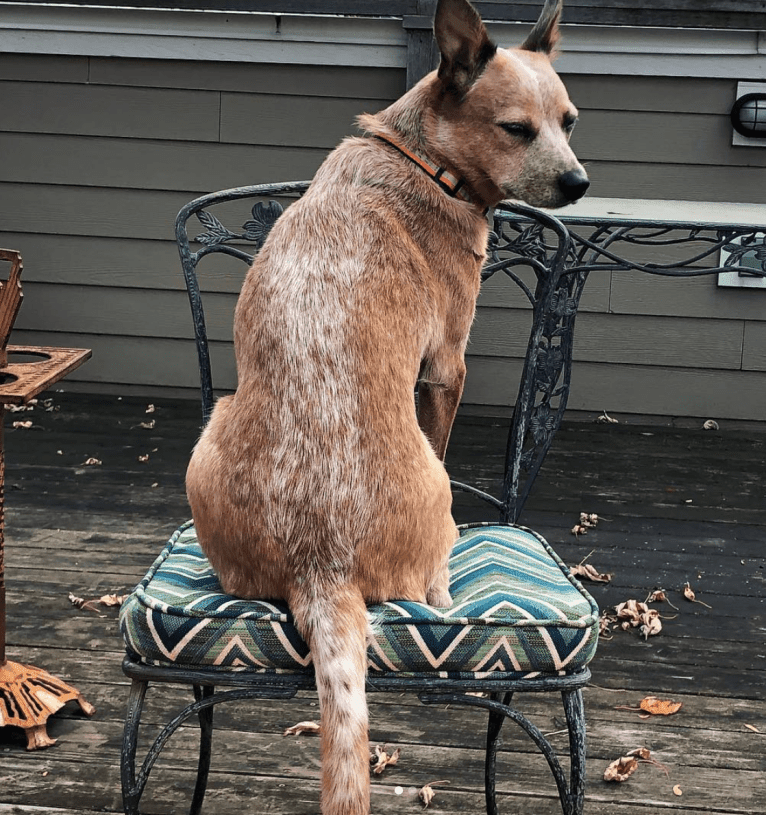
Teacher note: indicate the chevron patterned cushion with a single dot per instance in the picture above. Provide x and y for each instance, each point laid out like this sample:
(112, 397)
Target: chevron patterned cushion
(517, 612)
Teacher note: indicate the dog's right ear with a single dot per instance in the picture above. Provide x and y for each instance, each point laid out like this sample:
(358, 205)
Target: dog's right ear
(464, 45)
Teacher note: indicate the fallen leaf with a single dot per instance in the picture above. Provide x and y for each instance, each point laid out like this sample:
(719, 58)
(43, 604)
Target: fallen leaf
(144, 457)
(112, 599)
(150, 408)
(579, 529)
(302, 727)
(660, 707)
(148, 425)
(631, 611)
(659, 596)
(677, 790)
(81, 602)
(382, 759)
(605, 418)
(426, 792)
(91, 462)
(22, 425)
(651, 625)
(753, 728)
(644, 753)
(587, 571)
(621, 769)
(589, 519)
(604, 621)
(710, 424)
(692, 597)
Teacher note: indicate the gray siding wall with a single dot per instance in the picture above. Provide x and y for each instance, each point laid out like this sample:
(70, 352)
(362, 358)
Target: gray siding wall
(99, 154)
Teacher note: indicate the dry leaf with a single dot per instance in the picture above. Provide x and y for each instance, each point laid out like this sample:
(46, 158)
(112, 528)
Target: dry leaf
(80, 602)
(710, 424)
(588, 520)
(753, 728)
(659, 707)
(382, 759)
(144, 457)
(631, 611)
(692, 597)
(302, 727)
(621, 769)
(651, 625)
(22, 425)
(90, 462)
(644, 753)
(150, 408)
(426, 792)
(587, 571)
(148, 425)
(659, 596)
(578, 529)
(677, 790)
(112, 599)
(605, 418)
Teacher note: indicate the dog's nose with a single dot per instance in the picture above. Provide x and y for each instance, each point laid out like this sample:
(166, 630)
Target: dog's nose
(573, 184)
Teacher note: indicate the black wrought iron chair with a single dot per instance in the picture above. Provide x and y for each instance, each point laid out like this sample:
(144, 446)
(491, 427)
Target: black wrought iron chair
(532, 626)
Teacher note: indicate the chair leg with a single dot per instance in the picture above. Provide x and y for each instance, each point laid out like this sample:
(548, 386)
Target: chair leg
(205, 748)
(494, 725)
(131, 792)
(575, 715)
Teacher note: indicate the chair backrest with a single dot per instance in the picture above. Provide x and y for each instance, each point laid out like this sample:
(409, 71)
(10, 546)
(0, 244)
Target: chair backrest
(521, 236)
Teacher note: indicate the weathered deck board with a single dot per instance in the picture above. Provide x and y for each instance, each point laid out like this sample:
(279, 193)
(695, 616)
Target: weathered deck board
(95, 529)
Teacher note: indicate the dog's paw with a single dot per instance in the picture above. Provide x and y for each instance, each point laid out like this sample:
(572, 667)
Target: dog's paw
(438, 598)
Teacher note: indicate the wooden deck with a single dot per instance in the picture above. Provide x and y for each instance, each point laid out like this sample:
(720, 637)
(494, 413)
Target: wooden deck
(676, 506)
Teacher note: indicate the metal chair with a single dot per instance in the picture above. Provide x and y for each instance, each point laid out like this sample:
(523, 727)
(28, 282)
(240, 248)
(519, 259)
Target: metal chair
(522, 236)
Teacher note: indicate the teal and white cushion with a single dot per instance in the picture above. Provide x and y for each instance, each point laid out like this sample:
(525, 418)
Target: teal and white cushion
(517, 612)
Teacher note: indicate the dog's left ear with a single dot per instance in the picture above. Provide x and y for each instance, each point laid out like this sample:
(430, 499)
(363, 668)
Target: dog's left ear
(464, 44)
(545, 35)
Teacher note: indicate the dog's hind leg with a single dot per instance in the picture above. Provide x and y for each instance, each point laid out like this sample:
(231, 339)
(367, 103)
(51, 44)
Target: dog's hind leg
(334, 623)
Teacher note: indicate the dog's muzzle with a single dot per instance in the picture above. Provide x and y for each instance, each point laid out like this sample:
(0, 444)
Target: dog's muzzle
(573, 184)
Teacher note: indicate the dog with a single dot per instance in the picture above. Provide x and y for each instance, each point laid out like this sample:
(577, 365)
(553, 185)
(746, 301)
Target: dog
(318, 482)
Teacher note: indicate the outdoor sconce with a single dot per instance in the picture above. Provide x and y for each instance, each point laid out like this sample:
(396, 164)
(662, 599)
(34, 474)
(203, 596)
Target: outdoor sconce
(748, 116)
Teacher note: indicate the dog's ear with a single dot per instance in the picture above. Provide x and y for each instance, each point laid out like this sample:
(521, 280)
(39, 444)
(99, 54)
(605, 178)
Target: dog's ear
(544, 36)
(464, 44)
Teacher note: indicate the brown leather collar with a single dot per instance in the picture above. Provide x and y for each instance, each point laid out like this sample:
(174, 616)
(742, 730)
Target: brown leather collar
(456, 187)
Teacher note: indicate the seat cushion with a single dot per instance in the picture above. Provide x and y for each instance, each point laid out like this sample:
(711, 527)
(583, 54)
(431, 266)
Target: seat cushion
(517, 612)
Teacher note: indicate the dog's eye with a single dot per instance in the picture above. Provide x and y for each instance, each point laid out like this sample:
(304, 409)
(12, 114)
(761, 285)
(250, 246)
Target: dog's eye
(521, 130)
(569, 124)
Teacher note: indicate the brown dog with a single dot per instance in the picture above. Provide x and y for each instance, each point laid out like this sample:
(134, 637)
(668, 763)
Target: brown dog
(316, 482)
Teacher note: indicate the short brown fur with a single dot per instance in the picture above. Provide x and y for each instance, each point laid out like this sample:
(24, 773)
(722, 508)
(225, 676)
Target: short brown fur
(316, 482)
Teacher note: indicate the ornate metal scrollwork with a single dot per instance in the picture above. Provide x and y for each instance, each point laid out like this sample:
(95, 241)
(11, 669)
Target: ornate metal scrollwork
(562, 254)
(255, 231)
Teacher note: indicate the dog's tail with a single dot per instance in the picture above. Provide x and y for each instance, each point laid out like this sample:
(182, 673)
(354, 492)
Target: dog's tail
(334, 624)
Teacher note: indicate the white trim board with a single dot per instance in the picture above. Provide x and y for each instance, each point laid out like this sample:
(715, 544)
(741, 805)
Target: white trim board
(327, 40)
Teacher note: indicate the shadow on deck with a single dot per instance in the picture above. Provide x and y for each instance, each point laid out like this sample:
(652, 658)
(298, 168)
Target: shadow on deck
(676, 506)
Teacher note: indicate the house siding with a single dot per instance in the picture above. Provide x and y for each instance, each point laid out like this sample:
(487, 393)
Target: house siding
(101, 153)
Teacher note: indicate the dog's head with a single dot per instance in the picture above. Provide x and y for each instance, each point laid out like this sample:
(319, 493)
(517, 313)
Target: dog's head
(502, 118)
